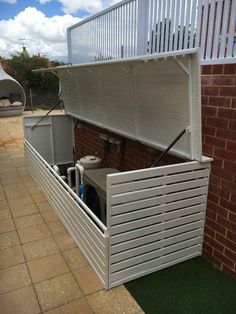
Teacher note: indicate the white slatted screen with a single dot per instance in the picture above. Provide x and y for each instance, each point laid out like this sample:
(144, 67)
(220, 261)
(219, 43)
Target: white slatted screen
(84, 231)
(155, 218)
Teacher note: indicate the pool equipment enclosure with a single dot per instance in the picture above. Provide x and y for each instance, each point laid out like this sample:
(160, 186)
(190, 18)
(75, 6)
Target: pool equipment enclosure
(155, 216)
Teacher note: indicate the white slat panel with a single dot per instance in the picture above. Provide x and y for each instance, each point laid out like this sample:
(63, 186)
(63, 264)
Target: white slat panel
(140, 260)
(170, 216)
(142, 184)
(150, 267)
(84, 232)
(149, 228)
(152, 192)
(150, 211)
(71, 207)
(80, 238)
(142, 249)
(129, 176)
(151, 238)
(119, 209)
(156, 228)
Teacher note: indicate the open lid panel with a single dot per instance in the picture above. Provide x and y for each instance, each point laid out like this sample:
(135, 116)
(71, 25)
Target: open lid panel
(150, 99)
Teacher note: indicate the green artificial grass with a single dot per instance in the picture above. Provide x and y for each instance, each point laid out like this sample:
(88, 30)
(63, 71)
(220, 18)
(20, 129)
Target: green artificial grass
(191, 287)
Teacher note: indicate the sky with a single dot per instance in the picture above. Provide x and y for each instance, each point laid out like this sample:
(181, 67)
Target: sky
(41, 25)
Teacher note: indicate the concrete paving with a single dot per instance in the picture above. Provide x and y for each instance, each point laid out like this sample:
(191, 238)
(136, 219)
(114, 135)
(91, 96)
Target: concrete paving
(41, 268)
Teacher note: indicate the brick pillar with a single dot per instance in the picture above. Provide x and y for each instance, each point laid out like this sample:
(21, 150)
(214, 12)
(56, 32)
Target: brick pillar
(219, 142)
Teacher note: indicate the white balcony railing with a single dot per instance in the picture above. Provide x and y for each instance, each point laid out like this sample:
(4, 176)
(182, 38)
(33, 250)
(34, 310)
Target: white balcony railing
(137, 27)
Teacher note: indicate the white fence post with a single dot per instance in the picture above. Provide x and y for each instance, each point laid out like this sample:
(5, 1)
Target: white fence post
(142, 26)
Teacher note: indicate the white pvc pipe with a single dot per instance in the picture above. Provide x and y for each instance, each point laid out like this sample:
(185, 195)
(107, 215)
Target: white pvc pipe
(69, 170)
(79, 174)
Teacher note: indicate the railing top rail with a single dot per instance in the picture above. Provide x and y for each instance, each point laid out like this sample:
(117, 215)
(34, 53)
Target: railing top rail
(94, 16)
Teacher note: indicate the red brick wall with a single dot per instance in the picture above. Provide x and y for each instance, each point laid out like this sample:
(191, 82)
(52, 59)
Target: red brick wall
(219, 142)
(133, 154)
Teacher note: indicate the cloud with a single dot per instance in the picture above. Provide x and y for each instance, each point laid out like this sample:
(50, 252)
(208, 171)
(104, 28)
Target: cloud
(89, 6)
(43, 35)
(9, 1)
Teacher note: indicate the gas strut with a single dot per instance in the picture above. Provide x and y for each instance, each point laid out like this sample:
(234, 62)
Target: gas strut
(168, 148)
(54, 107)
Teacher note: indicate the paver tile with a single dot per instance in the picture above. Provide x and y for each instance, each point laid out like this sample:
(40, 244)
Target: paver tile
(12, 178)
(50, 216)
(8, 239)
(38, 197)
(5, 214)
(88, 280)
(28, 221)
(22, 201)
(57, 291)
(16, 194)
(34, 233)
(65, 242)
(11, 256)
(47, 267)
(14, 278)
(40, 248)
(80, 306)
(114, 301)
(21, 301)
(56, 227)
(23, 210)
(44, 206)
(3, 205)
(75, 258)
(7, 225)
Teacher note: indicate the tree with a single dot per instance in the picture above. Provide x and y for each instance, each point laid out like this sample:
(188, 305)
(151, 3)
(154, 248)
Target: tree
(20, 67)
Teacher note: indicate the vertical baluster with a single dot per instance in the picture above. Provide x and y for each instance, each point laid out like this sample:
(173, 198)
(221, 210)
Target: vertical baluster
(186, 33)
(163, 25)
(224, 29)
(199, 23)
(176, 28)
(167, 38)
(172, 20)
(192, 28)
(204, 28)
(181, 31)
(211, 23)
(135, 28)
(231, 30)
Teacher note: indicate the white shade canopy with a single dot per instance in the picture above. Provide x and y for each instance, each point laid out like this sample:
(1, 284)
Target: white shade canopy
(10, 87)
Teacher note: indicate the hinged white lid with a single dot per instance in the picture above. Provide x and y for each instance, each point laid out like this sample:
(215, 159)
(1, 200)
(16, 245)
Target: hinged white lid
(150, 98)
